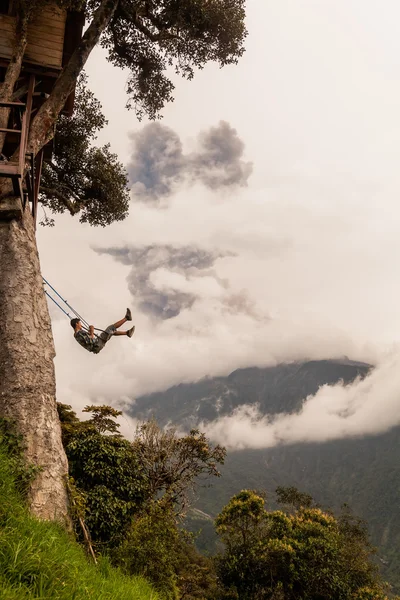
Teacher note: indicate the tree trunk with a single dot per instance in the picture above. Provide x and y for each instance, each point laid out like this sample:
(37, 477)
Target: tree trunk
(27, 378)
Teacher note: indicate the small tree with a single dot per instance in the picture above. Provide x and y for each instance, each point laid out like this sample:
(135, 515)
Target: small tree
(175, 464)
(103, 418)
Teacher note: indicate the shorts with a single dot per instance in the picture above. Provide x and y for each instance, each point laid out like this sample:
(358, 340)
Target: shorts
(103, 338)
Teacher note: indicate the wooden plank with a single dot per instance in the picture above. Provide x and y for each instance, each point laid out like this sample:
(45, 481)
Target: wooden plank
(43, 58)
(43, 61)
(46, 28)
(7, 25)
(3, 54)
(36, 50)
(49, 21)
(7, 19)
(48, 36)
(45, 43)
(9, 169)
(22, 146)
(53, 12)
(20, 104)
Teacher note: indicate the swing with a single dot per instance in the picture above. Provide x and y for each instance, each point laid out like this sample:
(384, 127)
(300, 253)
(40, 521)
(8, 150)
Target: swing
(85, 324)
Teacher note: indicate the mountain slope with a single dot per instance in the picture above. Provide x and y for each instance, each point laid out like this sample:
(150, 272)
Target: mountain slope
(275, 389)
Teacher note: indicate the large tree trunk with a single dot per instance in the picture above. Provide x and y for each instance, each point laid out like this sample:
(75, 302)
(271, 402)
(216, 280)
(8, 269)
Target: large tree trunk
(27, 378)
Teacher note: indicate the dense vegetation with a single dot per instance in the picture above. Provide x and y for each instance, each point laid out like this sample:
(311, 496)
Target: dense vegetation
(39, 559)
(299, 554)
(361, 472)
(128, 499)
(133, 497)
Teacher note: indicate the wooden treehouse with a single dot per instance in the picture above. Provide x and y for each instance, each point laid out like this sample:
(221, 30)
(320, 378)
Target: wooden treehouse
(52, 37)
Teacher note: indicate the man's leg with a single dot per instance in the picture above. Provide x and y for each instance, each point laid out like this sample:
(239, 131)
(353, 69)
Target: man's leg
(118, 324)
(127, 317)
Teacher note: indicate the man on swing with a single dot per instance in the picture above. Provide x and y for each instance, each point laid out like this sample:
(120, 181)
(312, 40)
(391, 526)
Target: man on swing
(94, 343)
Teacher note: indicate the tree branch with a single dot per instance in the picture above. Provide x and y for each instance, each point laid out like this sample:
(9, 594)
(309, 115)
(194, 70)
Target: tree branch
(72, 207)
(137, 20)
(42, 126)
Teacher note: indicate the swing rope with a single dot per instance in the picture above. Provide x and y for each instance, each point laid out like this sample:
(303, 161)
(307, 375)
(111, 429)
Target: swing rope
(77, 315)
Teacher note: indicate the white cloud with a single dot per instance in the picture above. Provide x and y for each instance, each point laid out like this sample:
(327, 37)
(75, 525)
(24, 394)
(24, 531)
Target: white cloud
(368, 406)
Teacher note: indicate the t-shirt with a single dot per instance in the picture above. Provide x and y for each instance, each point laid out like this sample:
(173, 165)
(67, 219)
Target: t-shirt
(84, 339)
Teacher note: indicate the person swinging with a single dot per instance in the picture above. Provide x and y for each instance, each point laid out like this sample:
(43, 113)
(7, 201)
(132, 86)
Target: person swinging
(95, 343)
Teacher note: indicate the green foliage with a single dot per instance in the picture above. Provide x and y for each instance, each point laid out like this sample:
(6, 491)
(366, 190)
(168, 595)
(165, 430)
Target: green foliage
(197, 579)
(149, 37)
(70, 424)
(307, 555)
(82, 178)
(117, 477)
(13, 443)
(112, 479)
(150, 549)
(291, 497)
(129, 495)
(39, 560)
(103, 418)
(175, 464)
(166, 556)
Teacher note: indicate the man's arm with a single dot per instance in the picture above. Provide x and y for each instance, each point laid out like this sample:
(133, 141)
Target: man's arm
(91, 331)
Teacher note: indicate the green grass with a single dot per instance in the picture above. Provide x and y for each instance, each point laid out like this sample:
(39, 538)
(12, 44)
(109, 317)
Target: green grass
(39, 560)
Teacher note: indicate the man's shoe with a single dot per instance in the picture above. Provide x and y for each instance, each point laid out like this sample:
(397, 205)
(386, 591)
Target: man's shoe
(130, 332)
(128, 315)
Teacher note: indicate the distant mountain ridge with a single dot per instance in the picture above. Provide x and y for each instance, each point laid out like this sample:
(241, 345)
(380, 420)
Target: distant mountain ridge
(274, 389)
(362, 472)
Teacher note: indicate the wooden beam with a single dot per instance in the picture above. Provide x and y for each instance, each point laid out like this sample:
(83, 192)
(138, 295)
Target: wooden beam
(11, 104)
(9, 169)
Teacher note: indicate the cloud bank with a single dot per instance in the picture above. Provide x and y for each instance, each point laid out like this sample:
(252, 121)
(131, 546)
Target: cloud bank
(367, 406)
(157, 162)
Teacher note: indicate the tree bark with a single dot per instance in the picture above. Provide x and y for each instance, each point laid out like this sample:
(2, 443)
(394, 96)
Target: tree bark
(27, 379)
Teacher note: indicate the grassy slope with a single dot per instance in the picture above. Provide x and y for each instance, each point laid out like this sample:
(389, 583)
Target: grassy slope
(38, 560)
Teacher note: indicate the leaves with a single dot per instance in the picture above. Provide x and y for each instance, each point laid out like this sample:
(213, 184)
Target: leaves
(149, 38)
(81, 178)
(174, 463)
(305, 555)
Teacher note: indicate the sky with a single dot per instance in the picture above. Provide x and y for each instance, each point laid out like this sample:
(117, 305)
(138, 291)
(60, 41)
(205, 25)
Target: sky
(264, 225)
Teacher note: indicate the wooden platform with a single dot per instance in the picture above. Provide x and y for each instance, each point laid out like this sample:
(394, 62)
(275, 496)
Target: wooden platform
(45, 38)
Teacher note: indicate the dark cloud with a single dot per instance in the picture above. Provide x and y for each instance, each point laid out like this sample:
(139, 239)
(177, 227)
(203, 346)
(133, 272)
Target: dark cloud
(218, 163)
(157, 161)
(184, 260)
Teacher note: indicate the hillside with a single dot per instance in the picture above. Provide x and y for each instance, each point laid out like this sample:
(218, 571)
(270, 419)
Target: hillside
(362, 472)
(40, 560)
